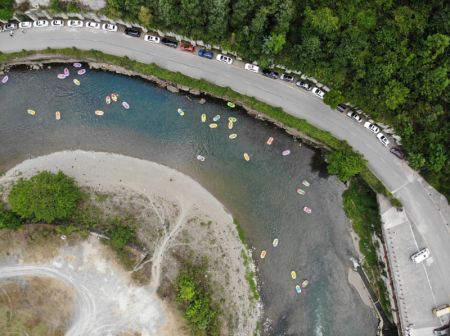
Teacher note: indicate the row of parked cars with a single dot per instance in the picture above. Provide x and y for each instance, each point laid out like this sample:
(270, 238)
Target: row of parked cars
(202, 52)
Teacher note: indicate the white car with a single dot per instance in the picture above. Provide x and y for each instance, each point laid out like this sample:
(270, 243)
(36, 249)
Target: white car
(25, 24)
(152, 38)
(354, 116)
(109, 27)
(420, 256)
(223, 58)
(251, 67)
(383, 139)
(371, 127)
(57, 23)
(92, 25)
(40, 23)
(75, 23)
(318, 92)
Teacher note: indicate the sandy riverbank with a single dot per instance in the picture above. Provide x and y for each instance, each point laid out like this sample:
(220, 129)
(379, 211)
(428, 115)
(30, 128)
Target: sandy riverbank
(191, 223)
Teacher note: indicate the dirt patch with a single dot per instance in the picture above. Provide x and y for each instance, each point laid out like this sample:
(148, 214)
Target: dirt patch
(35, 306)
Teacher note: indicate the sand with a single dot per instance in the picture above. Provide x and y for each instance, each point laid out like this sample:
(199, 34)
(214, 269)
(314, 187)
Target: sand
(191, 223)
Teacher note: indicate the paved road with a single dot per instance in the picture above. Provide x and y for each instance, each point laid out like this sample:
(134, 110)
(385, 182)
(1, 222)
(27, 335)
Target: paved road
(427, 210)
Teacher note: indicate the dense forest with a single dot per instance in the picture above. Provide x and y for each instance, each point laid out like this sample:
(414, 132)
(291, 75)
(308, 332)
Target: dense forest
(388, 57)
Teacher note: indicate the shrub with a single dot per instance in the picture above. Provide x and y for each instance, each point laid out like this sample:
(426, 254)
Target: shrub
(345, 163)
(45, 197)
(9, 220)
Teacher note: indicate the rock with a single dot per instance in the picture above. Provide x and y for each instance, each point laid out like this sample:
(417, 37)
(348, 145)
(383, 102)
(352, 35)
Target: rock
(202, 101)
(172, 89)
(183, 87)
(195, 92)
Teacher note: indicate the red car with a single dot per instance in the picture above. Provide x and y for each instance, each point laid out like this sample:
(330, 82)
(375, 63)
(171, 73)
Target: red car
(187, 47)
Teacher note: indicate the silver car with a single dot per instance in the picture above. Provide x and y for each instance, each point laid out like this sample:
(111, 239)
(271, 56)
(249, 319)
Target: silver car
(75, 23)
(383, 139)
(225, 59)
(371, 127)
(40, 23)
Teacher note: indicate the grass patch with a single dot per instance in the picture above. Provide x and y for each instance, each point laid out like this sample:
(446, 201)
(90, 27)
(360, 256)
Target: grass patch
(361, 206)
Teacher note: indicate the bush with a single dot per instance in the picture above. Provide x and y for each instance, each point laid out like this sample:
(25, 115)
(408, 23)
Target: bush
(45, 197)
(6, 9)
(9, 220)
(120, 235)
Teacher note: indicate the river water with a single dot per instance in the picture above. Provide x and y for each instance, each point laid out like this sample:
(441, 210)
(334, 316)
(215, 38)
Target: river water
(261, 194)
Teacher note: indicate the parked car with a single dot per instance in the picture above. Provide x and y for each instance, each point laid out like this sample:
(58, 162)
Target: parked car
(341, 108)
(93, 25)
(397, 152)
(57, 23)
(224, 58)
(152, 38)
(75, 23)
(40, 23)
(383, 139)
(9, 26)
(187, 47)
(168, 42)
(133, 31)
(371, 127)
(270, 73)
(420, 256)
(354, 116)
(251, 67)
(287, 77)
(304, 85)
(205, 53)
(109, 27)
(318, 92)
(25, 25)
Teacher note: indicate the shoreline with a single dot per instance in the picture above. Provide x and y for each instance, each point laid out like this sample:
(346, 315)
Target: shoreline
(108, 172)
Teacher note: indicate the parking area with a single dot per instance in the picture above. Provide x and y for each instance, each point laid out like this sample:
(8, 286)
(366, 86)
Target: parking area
(416, 296)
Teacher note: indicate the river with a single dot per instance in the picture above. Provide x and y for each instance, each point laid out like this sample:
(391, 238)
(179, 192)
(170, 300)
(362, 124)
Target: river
(261, 194)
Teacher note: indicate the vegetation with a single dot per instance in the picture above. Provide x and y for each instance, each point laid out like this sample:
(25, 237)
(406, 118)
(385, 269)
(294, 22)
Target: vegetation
(193, 292)
(361, 206)
(6, 9)
(59, 6)
(45, 197)
(345, 163)
(8, 219)
(388, 57)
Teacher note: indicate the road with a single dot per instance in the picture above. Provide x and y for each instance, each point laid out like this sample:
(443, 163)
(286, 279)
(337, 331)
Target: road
(427, 210)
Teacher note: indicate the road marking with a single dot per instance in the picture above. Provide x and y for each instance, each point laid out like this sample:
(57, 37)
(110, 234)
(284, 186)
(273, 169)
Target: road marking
(401, 187)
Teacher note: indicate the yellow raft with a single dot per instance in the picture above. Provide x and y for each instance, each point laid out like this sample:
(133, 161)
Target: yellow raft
(293, 275)
(246, 157)
(232, 136)
(76, 82)
(213, 125)
(57, 115)
(31, 112)
(203, 118)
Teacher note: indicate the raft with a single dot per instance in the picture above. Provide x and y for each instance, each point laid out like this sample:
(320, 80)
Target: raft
(298, 289)
(216, 118)
(108, 100)
(57, 115)
(307, 210)
(61, 76)
(66, 72)
(269, 141)
(246, 157)
(125, 105)
(232, 119)
(203, 118)
(99, 112)
(263, 254)
(275, 242)
(230, 125)
(5, 79)
(305, 183)
(76, 82)
(286, 152)
(293, 275)
(305, 283)
(180, 112)
(200, 158)
(232, 136)
(31, 112)
(230, 104)
(77, 65)
(81, 72)
(300, 191)
(213, 125)
(114, 97)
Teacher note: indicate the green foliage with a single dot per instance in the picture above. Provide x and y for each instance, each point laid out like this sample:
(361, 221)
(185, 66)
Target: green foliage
(145, 17)
(333, 98)
(8, 219)
(193, 292)
(120, 234)
(345, 163)
(6, 9)
(60, 6)
(45, 197)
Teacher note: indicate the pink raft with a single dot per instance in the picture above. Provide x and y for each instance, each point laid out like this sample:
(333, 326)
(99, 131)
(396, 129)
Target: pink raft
(61, 76)
(5, 79)
(81, 72)
(286, 152)
(307, 210)
(77, 65)
(66, 72)
(125, 105)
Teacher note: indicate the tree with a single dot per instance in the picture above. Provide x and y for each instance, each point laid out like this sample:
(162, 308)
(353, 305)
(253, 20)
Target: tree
(333, 98)
(274, 43)
(218, 13)
(145, 17)
(120, 235)
(322, 20)
(45, 197)
(8, 219)
(396, 94)
(345, 163)
(6, 9)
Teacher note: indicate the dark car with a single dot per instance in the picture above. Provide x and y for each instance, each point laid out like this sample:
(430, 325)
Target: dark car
(398, 153)
(304, 85)
(168, 42)
(270, 73)
(287, 77)
(206, 53)
(187, 47)
(133, 31)
(341, 108)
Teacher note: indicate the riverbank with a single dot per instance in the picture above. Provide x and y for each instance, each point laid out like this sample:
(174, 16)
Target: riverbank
(180, 219)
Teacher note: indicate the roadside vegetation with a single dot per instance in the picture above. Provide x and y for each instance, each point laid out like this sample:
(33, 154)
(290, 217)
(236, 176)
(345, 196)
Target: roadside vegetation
(388, 57)
(361, 206)
(193, 292)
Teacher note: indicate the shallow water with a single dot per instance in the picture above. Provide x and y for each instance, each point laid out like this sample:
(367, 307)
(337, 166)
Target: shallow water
(260, 194)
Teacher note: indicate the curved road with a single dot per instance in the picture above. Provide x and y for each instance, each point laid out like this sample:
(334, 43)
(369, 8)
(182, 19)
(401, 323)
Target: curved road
(427, 210)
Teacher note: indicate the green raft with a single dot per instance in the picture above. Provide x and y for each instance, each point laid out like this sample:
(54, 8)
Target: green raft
(230, 104)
